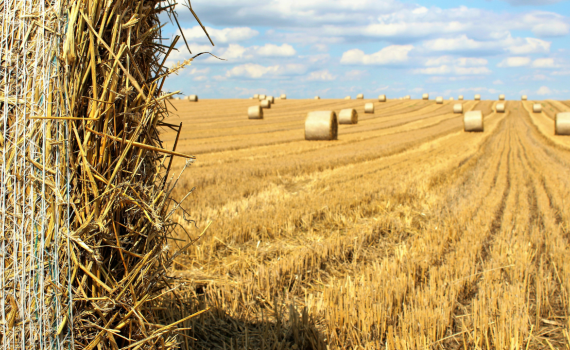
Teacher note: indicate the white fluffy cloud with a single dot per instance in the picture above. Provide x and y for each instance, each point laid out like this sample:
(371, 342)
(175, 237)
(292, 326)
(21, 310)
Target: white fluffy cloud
(545, 63)
(257, 71)
(271, 50)
(450, 69)
(321, 75)
(394, 54)
(514, 62)
(544, 90)
(220, 36)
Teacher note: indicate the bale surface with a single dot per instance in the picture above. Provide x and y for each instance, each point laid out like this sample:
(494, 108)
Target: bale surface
(562, 123)
(256, 96)
(477, 97)
(283, 97)
(255, 112)
(348, 116)
(537, 108)
(501, 97)
(460, 98)
(360, 96)
(317, 97)
(473, 121)
(347, 98)
(500, 108)
(451, 99)
(439, 100)
(524, 97)
(458, 108)
(262, 97)
(382, 98)
(193, 98)
(369, 108)
(271, 99)
(265, 104)
(425, 97)
(321, 125)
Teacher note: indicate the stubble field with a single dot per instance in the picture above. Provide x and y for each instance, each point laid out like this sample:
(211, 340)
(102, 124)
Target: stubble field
(405, 233)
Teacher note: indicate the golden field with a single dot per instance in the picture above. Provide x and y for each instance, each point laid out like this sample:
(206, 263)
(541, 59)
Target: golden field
(405, 233)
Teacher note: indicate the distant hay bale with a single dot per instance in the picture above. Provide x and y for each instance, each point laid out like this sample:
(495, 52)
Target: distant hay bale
(347, 98)
(348, 116)
(382, 98)
(266, 104)
(451, 99)
(537, 108)
(256, 96)
(562, 124)
(458, 108)
(271, 99)
(369, 108)
(500, 108)
(283, 97)
(262, 97)
(439, 100)
(360, 96)
(425, 97)
(407, 97)
(193, 98)
(473, 121)
(321, 125)
(524, 97)
(460, 98)
(255, 112)
(317, 97)
(251, 98)
(501, 97)
(477, 97)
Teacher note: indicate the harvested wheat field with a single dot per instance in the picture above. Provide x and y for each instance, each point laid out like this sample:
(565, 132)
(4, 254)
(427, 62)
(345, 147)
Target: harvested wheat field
(405, 233)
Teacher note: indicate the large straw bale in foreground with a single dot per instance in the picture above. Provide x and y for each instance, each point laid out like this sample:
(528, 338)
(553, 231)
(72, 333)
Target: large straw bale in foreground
(348, 116)
(439, 100)
(477, 97)
(382, 98)
(473, 121)
(562, 123)
(193, 98)
(501, 97)
(283, 97)
(255, 112)
(458, 108)
(265, 104)
(321, 125)
(369, 108)
(500, 108)
(524, 97)
(537, 108)
(425, 97)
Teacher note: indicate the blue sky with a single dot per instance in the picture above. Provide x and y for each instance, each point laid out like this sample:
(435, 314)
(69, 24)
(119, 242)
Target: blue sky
(335, 48)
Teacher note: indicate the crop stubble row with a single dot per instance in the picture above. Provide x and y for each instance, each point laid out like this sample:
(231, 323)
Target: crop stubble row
(408, 232)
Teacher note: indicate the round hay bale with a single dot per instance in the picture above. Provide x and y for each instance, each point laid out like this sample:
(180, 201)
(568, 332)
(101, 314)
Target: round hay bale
(477, 97)
(458, 108)
(501, 97)
(360, 96)
(524, 97)
(348, 116)
(473, 121)
(283, 97)
(382, 98)
(193, 98)
(317, 97)
(255, 112)
(439, 100)
(537, 108)
(460, 98)
(451, 99)
(407, 97)
(256, 96)
(562, 123)
(500, 108)
(347, 98)
(271, 99)
(425, 97)
(266, 104)
(369, 108)
(321, 125)
(251, 98)
(262, 97)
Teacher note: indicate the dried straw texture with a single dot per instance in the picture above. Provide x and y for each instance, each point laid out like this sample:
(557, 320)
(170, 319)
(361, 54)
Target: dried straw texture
(524, 97)
(425, 97)
(369, 108)
(283, 97)
(360, 96)
(255, 112)
(460, 98)
(473, 121)
(562, 124)
(501, 97)
(85, 199)
(317, 97)
(382, 98)
(439, 100)
(193, 98)
(348, 116)
(477, 97)
(458, 108)
(537, 108)
(500, 108)
(321, 125)
(266, 104)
